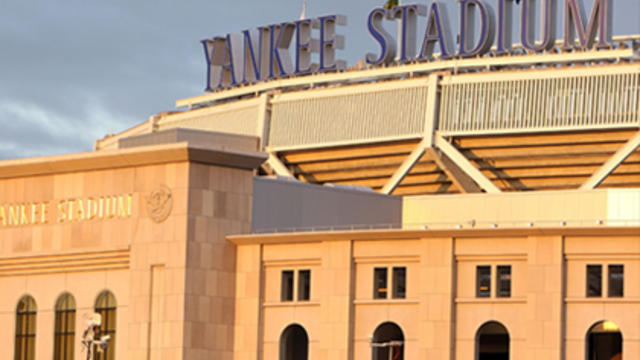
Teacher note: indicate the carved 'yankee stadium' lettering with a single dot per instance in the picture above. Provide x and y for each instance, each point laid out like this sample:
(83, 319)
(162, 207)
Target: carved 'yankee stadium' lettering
(67, 210)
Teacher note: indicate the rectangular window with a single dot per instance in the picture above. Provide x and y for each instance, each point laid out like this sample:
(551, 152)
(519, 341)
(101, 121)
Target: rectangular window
(483, 281)
(304, 285)
(504, 281)
(286, 289)
(380, 283)
(616, 280)
(399, 282)
(594, 280)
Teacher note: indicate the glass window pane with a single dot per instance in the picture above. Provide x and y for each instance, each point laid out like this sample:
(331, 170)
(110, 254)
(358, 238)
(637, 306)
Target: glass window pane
(57, 352)
(106, 307)
(102, 301)
(304, 285)
(19, 349)
(110, 352)
(594, 280)
(31, 348)
(65, 321)
(20, 324)
(111, 320)
(504, 281)
(399, 282)
(616, 280)
(69, 349)
(24, 347)
(380, 283)
(286, 291)
(31, 324)
(483, 281)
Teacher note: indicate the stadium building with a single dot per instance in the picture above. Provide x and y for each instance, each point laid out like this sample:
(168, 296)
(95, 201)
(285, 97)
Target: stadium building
(466, 208)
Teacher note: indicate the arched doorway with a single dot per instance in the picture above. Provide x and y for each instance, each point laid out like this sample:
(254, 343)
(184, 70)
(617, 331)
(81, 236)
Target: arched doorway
(492, 342)
(604, 341)
(294, 343)
(387, 342)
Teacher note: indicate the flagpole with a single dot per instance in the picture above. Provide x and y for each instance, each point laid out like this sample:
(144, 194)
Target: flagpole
(303, 15)
(400, 35)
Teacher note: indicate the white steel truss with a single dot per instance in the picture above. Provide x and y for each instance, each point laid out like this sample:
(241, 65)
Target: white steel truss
(612, 163)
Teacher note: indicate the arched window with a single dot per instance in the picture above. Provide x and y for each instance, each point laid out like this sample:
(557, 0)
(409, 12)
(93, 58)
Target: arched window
(65, 323)
(604, 341)
(492, 342)
(106, 307)
(387, 342)
(294, 343)
(25, 348)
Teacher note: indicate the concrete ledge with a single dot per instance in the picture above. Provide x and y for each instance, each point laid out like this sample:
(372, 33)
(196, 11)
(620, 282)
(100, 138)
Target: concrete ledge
(138, 156)
(198, 138)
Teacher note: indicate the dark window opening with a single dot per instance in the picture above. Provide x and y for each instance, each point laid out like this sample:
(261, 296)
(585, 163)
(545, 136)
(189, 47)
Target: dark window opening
(65, 323)
(399, 282)
(106, 306)
(25, 346)
(604, 341)
(387, 342)
(380, 283)
(286, 289)
(616, 280)
(492, 342)
(504, 281)
(483, 281)
(594, 280)
(304, 285)
(294, 343)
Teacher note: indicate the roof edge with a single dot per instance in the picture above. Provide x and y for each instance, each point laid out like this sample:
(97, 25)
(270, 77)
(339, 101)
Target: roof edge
(307, 237)
(137, 156)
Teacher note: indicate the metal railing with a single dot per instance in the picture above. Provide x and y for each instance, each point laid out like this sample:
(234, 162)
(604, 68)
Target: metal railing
(558, 102)
(355, 113)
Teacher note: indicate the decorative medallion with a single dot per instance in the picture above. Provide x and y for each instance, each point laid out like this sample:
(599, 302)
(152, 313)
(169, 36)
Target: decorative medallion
(159, 203)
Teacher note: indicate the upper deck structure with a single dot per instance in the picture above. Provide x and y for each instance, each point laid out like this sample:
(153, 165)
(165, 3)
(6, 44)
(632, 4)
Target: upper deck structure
(567, 119)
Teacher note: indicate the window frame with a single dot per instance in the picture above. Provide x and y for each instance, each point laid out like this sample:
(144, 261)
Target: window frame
(304, 285)
(287, 291)
(64, 327)
(588, 278)
(480, 279)
(500, 292)
(610, 281)
(380, 282)
(396, 280)
(107, 327)
(26, 328)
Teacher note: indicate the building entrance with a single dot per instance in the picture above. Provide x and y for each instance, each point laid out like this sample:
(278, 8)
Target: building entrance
(294, 343)
(387, 342)
(604, 342)
(492, 342)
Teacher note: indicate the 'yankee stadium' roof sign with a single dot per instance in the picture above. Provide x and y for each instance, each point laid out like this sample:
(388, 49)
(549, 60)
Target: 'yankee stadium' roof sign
(264, 53)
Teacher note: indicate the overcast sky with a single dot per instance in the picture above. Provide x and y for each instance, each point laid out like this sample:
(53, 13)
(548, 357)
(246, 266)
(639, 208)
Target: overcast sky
(72, 71)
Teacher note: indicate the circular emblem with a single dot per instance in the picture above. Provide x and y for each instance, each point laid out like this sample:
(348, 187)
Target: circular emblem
(159, 203)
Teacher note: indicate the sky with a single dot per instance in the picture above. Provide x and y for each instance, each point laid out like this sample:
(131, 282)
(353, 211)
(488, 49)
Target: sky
(72, 71)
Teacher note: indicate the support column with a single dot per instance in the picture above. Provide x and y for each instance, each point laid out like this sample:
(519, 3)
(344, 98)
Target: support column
(544, 315)
(437, 296)
(247, 341)
(336, 301)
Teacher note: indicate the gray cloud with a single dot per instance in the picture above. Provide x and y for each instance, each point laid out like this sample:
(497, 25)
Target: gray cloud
(71, 70)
